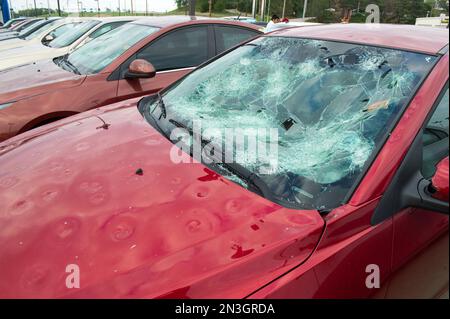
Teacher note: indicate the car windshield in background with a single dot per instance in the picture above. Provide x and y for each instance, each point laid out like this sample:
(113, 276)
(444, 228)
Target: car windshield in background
(100, 52)
(11, 22)
(331, 104)
(33, 27)
(41, 31)
(74, 34)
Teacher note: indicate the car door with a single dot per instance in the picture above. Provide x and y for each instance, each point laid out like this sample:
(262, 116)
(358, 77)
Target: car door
(173, 55)
(415, 228)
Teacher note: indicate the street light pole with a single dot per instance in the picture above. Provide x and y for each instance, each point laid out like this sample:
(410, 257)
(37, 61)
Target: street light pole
(35, 9)
(305, 6)
(263, 10)
(59, 9)
(284, 9)
(210, 8)
(119, 7)
(254, 9)
(98, 8)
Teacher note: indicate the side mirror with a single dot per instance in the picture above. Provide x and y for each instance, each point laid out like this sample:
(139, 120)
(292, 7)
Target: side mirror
(140, 69)
(439, 187)
(48, 38)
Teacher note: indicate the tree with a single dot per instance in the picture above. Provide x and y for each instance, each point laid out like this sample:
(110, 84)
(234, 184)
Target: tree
(182, 3)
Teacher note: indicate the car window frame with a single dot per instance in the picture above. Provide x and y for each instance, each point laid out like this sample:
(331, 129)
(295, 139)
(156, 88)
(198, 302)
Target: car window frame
(437, 103)
(119, 72)
(232, 26)
(210, 47)
(408, 176)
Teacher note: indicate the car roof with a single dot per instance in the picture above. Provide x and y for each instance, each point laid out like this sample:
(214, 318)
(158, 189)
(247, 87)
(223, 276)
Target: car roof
(405, 37)
(166, 21)
(121, 18)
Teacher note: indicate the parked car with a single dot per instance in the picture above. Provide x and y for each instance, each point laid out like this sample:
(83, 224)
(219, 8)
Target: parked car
(11, 23)
(66, 43)
(241, 18)
(361, 180)
(111, 68)
(40, 25)
(42, 36)
(21, 26)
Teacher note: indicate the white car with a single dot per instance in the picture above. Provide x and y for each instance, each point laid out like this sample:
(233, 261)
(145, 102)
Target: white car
(53, 45)
(54, 28)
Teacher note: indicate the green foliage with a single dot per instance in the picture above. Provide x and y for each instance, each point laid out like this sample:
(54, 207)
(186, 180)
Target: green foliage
(38, 12)
(392, 11)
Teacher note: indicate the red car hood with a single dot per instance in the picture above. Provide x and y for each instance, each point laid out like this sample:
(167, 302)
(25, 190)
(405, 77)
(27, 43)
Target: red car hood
(33, 79)
(71, 193)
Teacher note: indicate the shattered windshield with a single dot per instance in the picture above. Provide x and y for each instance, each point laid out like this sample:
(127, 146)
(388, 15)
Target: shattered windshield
(327, 105)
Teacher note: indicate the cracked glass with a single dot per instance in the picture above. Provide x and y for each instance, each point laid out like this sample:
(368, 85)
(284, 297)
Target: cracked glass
(330, 102)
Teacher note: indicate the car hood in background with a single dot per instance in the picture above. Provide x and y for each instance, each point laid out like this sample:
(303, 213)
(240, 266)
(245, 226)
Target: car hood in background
(28, 53)
(100, 192)
(33, 79)
(17, 43)
(8, 35)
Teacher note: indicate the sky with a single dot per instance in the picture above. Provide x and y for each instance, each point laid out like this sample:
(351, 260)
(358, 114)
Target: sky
(139, 5)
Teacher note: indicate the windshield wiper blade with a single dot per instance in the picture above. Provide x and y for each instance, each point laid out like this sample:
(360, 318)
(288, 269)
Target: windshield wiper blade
(252, 179)
(65, 61)
(73, 67)
(162, 107)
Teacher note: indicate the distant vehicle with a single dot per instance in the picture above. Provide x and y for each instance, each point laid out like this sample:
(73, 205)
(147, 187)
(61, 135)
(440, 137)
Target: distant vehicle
(28, 30)
(77, 36)
(11, 23)
(21, 25)
(241, 19)
(113, 67)
(440, 22)
(51, 31)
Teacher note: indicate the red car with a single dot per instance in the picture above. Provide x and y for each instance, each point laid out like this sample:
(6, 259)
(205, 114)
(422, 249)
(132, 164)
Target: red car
(114, 198)
(111, 68)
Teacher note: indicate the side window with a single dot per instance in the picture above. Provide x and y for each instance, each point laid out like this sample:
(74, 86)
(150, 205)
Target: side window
(106, 28)
(228, 37)
(436, 137)
(184, 48)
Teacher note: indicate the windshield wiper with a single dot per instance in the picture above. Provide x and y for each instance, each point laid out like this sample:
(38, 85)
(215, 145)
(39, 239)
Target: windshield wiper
(71, 66)
(253, 180)
(162, 106)
(145, 111)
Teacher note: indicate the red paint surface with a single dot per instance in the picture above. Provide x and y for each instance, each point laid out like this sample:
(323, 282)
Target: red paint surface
(440, 180)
